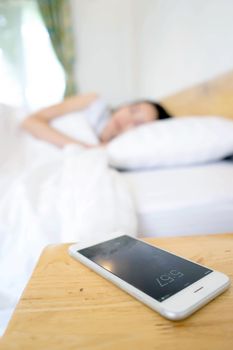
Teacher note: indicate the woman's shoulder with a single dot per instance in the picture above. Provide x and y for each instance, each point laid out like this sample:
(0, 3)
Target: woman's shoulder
(97, 113)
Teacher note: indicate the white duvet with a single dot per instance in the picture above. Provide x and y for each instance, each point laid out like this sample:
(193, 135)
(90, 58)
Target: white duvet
(51, 196)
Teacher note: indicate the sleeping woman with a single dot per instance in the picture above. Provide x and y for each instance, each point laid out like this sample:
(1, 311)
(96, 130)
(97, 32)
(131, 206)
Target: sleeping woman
(107, 123)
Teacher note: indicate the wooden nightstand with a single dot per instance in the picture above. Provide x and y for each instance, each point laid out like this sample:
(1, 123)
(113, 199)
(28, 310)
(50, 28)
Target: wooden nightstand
(67, 306)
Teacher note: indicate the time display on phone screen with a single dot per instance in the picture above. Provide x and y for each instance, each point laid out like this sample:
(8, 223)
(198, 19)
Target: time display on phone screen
(152, 270)
(168, 277)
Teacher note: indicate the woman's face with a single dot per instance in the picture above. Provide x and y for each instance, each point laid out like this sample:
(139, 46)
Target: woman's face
(128, 117)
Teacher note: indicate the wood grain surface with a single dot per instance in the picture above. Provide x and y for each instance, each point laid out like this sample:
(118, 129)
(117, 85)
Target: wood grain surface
(67, 306)
(213, 97)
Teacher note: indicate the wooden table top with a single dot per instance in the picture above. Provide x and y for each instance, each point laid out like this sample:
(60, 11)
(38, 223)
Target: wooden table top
(67, 306)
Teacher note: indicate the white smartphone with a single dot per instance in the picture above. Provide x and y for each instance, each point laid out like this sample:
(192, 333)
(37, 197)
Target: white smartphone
(173, 286)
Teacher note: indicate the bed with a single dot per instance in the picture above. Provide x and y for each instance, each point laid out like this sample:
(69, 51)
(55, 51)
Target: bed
(190, 200)
(184, 201)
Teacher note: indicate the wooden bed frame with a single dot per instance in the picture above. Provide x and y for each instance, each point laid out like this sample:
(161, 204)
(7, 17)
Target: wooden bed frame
(214, 97)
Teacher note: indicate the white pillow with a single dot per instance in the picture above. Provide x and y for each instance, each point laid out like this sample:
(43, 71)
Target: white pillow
(177, 141)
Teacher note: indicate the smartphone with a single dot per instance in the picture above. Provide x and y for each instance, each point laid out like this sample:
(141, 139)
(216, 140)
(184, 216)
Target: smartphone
(171, 285)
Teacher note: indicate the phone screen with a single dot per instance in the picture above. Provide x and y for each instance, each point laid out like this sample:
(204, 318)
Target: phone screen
(152, 270)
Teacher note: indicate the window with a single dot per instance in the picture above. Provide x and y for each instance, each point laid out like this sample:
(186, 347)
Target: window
(30, 73)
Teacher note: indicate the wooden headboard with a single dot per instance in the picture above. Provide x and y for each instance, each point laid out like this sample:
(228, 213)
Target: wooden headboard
(214, 97)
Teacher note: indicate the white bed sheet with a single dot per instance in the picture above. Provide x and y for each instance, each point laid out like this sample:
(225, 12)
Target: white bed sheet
(184, 201)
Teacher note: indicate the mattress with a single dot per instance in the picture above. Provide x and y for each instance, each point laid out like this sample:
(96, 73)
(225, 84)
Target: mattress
(184, 201)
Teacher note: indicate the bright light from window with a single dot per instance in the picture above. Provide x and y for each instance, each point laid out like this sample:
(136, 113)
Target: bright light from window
(44, 75)
(30, 73)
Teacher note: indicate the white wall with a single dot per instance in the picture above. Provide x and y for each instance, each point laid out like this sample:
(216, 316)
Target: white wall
(183, 42)
(104, 38)
(150, 48)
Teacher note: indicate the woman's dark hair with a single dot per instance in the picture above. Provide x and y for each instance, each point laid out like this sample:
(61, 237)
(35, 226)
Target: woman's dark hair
(162, 113)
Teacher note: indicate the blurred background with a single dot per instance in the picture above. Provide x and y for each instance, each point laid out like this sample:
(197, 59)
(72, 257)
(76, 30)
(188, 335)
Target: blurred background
(122, 49)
